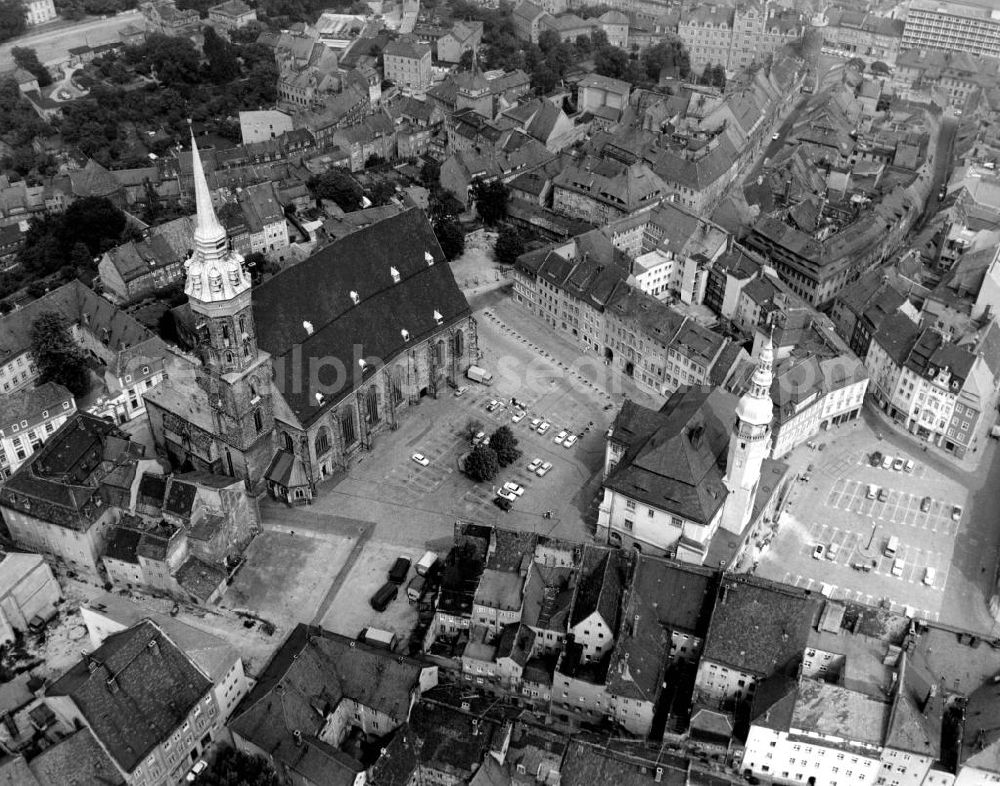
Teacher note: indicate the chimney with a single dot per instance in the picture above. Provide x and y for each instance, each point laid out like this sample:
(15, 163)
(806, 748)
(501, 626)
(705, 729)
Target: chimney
(405, 334)
(308, 327)
(437, 317)
(320, 399)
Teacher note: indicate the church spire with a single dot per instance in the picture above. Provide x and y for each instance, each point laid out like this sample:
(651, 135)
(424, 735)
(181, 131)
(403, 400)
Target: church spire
(755, 407)
(207, 226)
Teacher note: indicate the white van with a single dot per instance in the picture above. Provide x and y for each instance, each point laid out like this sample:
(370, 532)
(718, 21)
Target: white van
(891, 546)
(385, 639)
(426, 563)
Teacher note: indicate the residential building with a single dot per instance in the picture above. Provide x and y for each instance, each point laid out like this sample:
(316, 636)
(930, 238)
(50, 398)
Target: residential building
(407, 64)
(461, 38)
(231, 15)
(265, 220)
(37, 12)
(261, 125)
(28, 417)
(600, 191)
(28, 592)
(146, 702)
(953, 27)
(596, 92)
(735, 37)
(863, 34)
(108, 614)
(78, 756)
(163, 16)
(139, 269)
(56, 502)
(727, 277)
(528, 19)
(318, 688)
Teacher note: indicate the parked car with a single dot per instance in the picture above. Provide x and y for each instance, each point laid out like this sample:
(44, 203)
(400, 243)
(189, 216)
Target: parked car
(421, 459)
(480, 439)
(517, 416)
(819, 551)
(908, 466)
(929, 575)
(399, 569)
(832, 551)
(386, 594)
(956, 513)
(507, 494)
(558, 438)
(897, 566)
(535, 464)
(493, 405)
(535, 423)
(504, 504)
(461, 391)
(570, 441)
(543, 469)
(876, 459)
(514, 488)
(898, 463)
(199, 767)
(883, 495)
(886, 462)
(545, 426)
(925, 504)
(872, 492)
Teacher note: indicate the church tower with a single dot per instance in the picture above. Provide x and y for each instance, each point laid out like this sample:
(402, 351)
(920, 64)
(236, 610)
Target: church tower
(473, 91)
(235, 373)
(749, 443)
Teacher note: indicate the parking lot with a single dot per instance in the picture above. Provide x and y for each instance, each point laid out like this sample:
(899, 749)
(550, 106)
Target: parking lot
(834, 535)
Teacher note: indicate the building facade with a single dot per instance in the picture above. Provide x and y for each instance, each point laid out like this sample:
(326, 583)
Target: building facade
(952, 26)
(28, 418)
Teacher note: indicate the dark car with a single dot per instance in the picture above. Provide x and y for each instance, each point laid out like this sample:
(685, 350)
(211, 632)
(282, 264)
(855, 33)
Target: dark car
(503, 504)
(399, 569)
(925, 504)
(876, 460)
(386, 594)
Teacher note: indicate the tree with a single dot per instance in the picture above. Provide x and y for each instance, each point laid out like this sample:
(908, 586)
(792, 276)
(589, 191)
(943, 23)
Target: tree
(491, 200)
(504, 444)
(12, 22)
(482, 464)
(382, 193)
(880, 69)
(430, 174)
(236, 768)
(510, 245)
(27, 58)
(93, 221)
(450, 237)
(611, 61)
(857, 64)
(56, 357)
(337, 186)
(222, 65)
(472, 427)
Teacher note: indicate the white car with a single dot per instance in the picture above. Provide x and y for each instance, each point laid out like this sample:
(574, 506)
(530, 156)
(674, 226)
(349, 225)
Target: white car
(544, 468)
(570, 441)
(544, 427)
(513, 488)
(819, 551)
(493, 405)
(517, 417)
(461, 391)
(200, 766)
(421, 459)
(479, 439)
(535, 423)
(897, 567)
(560, 437)
(535, 464)
(775, 136)
(510, 496)
(929, 575)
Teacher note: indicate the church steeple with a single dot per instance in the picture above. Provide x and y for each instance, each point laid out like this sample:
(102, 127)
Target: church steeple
(750, 442)
(214, 272)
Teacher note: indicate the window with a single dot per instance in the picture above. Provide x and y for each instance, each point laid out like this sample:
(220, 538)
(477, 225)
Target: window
(628, 525)
(630, 504)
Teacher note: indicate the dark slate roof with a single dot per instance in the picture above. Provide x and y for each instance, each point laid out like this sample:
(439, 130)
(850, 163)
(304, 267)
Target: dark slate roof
(14, 772)
(28, 404)
(679, 596)
(675, 458)
(154, 690)
(603, 576)
(307, 677)
(516, 642)
(123, 545)
(318, 290)
(897, 336)
(199, 578)
(77, 759)
(759, 626)
(180, 497)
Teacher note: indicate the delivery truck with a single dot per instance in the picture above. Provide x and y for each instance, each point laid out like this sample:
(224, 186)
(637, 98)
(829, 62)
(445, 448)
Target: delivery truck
(480, 375)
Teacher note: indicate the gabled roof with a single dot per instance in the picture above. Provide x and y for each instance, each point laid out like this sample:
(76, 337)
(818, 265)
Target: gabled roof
(77, 759)
(134, 691)
(306, 679)
(675, 458)
(30, 403)
(318, 291)
(600, 586)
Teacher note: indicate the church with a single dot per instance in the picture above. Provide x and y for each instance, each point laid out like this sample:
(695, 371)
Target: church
(300, 374)
(693, 480)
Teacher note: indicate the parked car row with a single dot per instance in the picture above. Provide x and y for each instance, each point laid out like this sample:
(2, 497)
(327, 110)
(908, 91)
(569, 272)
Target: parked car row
(397, 574)
(897, 463)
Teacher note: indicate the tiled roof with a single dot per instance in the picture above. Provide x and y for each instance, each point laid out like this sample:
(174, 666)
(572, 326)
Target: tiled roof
(759, 626)
(600, 586)
(140, 691)
(680, 597)
(897, 336)
(516, 642)
(829, 710)
(318, 291)
(675, 458)
(77, 759)
(93, 180)
(548, 595)
(180, 497)
(14, 771)
(200, 578)
(640, 654)
(450, 740)
(313, 669)
(30, 403)
(123, 544)
(403, 47)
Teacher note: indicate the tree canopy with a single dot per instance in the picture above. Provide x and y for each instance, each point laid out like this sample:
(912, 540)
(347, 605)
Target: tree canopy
(482, 464)
(491, 200)
(12, 22)
(53, 242)
(504, 444)
(337, 186)
(235, 768)
(56, 357)
(27, 58)
(451, 238)
(509, 245)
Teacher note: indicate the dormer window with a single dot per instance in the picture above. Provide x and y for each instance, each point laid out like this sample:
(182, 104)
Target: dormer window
(438, 318)
(354, 297)
(45, 413)
(395, 275)
(428, 258)
(405, 334)
(363, 364)
(308, 327)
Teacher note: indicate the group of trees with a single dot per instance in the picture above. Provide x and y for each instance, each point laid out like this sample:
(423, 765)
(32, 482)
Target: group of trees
(12, 21)
(27, 58)
(104, 127)
(509, 245)
(77, 9)
(18, 127)
(87, 228)
(486, 460)
(56, 355)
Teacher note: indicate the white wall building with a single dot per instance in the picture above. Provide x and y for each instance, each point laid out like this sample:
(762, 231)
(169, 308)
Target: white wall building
(27, 418)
